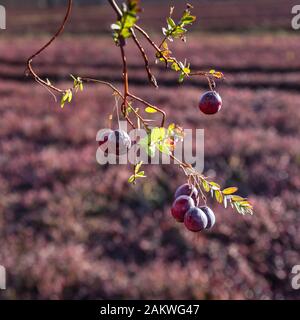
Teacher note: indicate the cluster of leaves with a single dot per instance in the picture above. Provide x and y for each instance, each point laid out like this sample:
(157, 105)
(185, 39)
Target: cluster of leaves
(68, 94)
(178, 30)
(165, 55)
(216, 74)
(184, 69)
(66, 97)
(122, 28)
(175, 31)
(78, 83)
(242, 205)
(162, 139)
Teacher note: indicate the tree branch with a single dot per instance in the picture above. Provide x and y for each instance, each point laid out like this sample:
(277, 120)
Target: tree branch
(151, 77)
(30, 59)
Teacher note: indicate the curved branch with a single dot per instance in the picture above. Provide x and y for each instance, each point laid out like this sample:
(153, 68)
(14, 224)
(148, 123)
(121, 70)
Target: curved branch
(151, 77)
(116, 91)
(30, 59)
(152, 43)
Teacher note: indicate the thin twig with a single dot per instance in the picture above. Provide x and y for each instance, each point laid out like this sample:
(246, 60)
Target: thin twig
(116, 91)
(153, 44)
(151, 77)
(116, 8)
(150, 105)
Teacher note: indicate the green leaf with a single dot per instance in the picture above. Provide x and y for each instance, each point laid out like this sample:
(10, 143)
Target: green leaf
(131, 179)
(164, 148)
(138, 167)
(175, 66)
(122, 28)
(141, 174)
(70, 96)
(171, 128)
(171, 22)
(188, 20)
(144, 143)
(181, 77)
(66, 97)
(157, 134)
(151, 151)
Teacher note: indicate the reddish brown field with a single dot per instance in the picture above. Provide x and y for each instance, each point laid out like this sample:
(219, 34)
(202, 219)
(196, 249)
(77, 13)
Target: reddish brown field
(70, 228)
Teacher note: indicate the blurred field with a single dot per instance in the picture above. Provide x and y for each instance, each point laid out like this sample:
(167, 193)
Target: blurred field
(70, 228)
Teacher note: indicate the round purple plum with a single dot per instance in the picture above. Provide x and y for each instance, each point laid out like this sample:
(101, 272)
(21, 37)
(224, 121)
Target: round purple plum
(187, 190)
(195, 220)
(211, 218)
(210, 102)
(180, 207)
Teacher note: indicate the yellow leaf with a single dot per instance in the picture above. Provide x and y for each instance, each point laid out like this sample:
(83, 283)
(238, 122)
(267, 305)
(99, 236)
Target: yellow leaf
(205, 186)
(237, 198)
(230, 190)
(219, 196)
(150, 110)
(218, 75)
(215, 186)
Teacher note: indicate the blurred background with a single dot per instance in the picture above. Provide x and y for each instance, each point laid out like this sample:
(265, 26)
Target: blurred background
(72, 229)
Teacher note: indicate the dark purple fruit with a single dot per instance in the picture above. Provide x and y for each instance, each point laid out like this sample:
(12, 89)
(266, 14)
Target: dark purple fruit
(180, 207)
(210, 102)
(211, 218)
(187, 190)
(195, 220)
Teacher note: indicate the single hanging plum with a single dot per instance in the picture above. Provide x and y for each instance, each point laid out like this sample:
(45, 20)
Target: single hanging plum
(210, 102)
